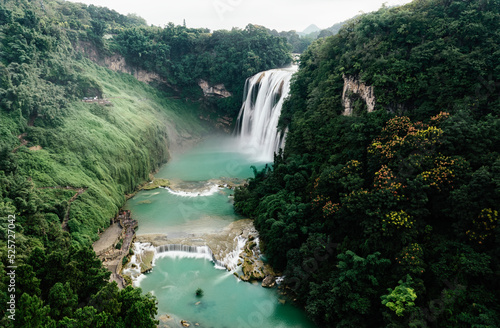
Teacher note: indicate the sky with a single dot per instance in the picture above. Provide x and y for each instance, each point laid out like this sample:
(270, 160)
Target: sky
(282, 15)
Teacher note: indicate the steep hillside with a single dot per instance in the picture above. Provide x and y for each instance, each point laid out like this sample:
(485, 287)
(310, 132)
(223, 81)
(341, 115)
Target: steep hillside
(74, 139)
(383, 209)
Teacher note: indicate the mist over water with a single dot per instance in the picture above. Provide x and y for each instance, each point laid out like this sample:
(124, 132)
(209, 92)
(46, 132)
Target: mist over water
(216, 157)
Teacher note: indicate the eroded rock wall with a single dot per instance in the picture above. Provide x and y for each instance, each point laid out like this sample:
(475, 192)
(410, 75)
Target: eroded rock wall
(353, 85)
(117, 63)
(217, 90)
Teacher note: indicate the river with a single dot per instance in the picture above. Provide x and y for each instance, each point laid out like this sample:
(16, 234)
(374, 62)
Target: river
(199, 206)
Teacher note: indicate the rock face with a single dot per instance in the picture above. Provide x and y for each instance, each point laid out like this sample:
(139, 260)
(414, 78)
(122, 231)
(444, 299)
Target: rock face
(355, 86)
(217, 90)
(253, 268)
(117, 63)
(269, 281)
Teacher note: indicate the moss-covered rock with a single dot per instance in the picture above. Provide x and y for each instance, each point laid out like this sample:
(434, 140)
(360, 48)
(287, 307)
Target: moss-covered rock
(156, 183)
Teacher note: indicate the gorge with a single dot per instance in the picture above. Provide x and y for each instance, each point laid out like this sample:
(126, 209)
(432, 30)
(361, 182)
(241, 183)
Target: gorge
(195, 238)
(382, 209)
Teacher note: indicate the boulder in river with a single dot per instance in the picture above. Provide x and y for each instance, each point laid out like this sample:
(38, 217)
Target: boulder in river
(269, 281)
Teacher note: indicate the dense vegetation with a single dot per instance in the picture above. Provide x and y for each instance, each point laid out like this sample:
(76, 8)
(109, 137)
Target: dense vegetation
(387, 218)
(390, 218)
(298, 44)
(64, 162)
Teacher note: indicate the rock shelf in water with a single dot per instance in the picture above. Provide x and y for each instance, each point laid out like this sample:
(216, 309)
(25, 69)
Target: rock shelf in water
(226, 250)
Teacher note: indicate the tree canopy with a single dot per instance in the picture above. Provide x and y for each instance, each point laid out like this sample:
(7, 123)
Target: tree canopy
(390, 218)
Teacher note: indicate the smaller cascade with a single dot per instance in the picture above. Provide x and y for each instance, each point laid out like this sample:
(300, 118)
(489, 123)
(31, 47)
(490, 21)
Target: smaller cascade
(232, 258)
(142, 261)
(257, 125)
(185, 251)
(209, 190)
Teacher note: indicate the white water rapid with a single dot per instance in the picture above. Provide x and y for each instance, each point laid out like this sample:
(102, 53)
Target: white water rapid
(257, 125)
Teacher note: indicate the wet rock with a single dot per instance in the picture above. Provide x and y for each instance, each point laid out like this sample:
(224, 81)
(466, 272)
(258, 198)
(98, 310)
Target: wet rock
(251, 245)
(269, 281)
(165, 318)
(252, 270)
(184, 323)
(147, 261)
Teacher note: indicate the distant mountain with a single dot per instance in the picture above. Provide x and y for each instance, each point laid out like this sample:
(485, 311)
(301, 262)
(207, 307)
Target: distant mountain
(314, 32)
(310, 29)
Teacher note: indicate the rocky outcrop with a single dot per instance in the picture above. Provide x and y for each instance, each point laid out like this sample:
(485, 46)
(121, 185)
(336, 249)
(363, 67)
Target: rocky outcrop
(269, 281)
(352, 86)
(217, 90)
(117, 63)
(253, 268)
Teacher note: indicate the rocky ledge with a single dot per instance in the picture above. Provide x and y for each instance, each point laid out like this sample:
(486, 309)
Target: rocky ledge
(252, 266)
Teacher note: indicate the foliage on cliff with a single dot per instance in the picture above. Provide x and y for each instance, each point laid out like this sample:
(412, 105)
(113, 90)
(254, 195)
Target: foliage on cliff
(390, 218)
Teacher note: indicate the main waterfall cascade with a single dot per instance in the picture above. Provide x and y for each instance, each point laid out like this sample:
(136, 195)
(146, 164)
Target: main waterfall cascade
(257, 125)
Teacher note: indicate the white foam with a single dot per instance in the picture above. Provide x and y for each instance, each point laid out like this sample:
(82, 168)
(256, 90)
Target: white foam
(183, 255)
(232, 258)
(135, 272)
(210, 190)
(229, 263)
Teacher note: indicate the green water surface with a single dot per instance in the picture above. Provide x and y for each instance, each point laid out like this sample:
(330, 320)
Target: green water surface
(212, 159)
(226, 302)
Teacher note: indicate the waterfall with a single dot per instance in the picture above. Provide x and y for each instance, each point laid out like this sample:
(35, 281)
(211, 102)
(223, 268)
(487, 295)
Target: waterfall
(257, 125)
(178, 250)
(232, 258)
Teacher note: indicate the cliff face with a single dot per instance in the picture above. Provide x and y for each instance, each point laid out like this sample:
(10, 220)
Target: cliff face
(117, 63)
(218, 90)
(355, 86)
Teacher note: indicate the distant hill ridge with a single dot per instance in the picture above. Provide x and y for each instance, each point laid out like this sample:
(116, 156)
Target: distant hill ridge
(311, 29)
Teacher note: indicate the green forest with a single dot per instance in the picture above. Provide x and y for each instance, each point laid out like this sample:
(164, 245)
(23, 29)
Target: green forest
(389, 218)
(66, 165)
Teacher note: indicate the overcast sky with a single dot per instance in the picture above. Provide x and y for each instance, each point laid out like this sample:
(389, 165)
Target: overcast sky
(282, 15)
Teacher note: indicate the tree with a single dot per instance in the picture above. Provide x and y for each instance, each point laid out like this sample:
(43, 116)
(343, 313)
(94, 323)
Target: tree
(351, 291)
(137, 310)
(31, 312)
(62, 300)
(106, 300)
(400, 300)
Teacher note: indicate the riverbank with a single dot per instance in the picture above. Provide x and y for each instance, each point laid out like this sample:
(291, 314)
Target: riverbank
(114, 244)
